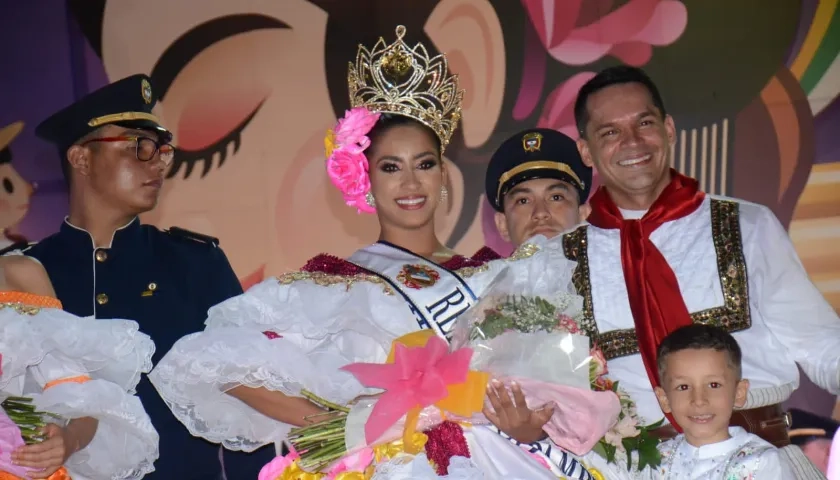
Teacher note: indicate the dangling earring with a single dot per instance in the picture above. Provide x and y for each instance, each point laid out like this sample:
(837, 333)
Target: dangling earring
(444, 194)
(369, 199)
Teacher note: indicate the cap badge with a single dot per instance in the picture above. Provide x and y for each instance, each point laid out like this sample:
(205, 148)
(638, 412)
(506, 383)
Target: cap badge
(531, 142)
(146, 90)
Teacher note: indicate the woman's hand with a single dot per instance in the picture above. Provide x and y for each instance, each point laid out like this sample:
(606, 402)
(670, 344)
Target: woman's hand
(48, 456)
(512, 415)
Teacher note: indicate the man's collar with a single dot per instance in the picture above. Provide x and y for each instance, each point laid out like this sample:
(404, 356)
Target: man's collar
(122, 234)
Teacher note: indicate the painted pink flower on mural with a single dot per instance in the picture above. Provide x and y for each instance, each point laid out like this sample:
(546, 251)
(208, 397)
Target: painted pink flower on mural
(628, 33)
(578, 33)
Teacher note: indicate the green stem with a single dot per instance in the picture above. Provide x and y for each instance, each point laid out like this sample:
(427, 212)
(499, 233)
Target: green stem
(323, 402)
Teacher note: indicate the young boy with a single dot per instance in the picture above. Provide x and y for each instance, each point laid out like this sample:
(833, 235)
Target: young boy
(700, 373)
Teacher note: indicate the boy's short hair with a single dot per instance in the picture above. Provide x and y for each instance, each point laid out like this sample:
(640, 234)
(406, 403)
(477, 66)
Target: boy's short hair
(698, 336)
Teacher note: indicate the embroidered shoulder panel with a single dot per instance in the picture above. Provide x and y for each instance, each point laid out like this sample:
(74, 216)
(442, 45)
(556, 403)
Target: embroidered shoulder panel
(328, 270)
(526, 250)
(467, 267)
(331, 265)
(733, 316)
(485, 254)
(327, 280)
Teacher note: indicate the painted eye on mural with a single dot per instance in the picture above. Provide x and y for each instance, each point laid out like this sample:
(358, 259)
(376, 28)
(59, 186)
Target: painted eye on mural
(8, 186)
(204, 135)
(218, 147)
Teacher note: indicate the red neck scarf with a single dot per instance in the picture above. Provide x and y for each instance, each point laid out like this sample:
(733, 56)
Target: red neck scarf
(655, 299)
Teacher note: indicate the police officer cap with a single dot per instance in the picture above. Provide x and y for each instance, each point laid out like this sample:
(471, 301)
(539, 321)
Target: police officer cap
(127, 103)
(532, 154)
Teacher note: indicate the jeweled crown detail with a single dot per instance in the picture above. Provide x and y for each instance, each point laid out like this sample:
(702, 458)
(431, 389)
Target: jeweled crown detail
(406, 81)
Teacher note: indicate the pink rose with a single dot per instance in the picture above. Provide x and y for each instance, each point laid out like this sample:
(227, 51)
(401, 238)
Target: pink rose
(349, 172)
(600, 361)
(567, 323)
(351, 131)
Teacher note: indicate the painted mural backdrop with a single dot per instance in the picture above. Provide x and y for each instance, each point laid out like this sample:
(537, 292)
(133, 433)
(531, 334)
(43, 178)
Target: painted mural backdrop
(250, 87)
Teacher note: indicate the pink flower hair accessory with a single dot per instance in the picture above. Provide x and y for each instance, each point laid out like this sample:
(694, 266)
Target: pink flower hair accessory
(347, 165)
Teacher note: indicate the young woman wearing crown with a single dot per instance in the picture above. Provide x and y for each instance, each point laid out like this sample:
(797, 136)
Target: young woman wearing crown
(82, 373)
(241, 381)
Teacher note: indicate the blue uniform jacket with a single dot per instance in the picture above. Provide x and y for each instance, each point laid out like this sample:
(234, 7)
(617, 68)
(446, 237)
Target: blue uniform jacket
(166, 281)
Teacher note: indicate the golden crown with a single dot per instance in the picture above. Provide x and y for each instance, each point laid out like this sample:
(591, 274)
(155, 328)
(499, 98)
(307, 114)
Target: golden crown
(406, 81)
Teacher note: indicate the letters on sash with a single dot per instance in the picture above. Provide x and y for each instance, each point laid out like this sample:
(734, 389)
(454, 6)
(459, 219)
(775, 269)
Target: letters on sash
(435, 295)
(560, 462)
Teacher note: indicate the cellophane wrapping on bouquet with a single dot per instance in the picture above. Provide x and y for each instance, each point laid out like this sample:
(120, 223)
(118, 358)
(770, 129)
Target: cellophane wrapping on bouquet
(536, 341)
(511, 334)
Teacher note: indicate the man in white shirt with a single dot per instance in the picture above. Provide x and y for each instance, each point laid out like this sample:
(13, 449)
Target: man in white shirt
(659, 254)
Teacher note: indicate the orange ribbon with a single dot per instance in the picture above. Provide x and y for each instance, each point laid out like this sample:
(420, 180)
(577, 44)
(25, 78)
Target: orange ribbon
(79, 379)
(60, 474)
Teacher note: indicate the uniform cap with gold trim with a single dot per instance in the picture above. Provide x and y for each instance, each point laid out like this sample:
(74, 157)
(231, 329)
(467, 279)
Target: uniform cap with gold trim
(531, 154)
(127, 103)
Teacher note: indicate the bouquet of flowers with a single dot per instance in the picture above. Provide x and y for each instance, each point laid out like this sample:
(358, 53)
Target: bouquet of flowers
(511, 334)
(514, 314)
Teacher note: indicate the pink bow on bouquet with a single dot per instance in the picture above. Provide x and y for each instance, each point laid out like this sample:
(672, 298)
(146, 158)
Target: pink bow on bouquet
(419, 377)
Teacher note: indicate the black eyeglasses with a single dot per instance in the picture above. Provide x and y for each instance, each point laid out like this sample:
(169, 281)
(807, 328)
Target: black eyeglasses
(146, 148)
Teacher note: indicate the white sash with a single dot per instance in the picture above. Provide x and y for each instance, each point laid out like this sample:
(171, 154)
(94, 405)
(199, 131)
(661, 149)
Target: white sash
(436, 296)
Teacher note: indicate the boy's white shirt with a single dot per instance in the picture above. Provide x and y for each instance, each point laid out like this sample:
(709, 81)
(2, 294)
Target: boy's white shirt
(742, 456)
(751, 458)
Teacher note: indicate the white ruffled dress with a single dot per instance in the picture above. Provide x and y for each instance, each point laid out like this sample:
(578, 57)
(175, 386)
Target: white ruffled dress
(295, 332)
(81, 367)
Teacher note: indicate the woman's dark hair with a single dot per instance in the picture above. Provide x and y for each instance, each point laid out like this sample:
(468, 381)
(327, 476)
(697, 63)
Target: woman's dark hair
(388, 121)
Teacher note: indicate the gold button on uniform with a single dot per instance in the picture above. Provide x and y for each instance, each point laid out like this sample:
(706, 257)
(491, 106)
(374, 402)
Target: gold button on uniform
(101, 255)
(102, 299)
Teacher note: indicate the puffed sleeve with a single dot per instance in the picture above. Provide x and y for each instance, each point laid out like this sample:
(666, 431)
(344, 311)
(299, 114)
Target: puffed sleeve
(90, 368)
(794, 309)
(285, 335)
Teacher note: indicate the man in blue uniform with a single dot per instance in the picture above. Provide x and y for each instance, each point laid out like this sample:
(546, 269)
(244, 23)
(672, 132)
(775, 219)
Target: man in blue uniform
(104, 262)
(538, 185)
